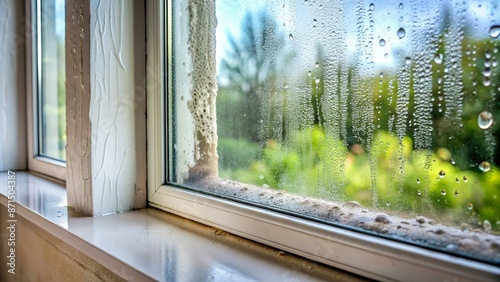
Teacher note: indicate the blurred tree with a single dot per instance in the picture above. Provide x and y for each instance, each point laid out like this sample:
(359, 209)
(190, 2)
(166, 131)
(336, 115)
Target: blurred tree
(251, 65)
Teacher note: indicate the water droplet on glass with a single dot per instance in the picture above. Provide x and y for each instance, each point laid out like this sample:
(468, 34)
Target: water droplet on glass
(401, 18)
(456, 194)
(317, 64)
(381, 42)
(443, 192)
(495, 31)
(290, 36)
(401, 6)
(418, 180)
(372, 23)
(451, 247)
(487, 226)
(401, 33)
(470, 206)
(465, 178)
(309, 73)
(442, 174)
(387, 203)
(371, 7)
(485, 166)
(485, 120)
(457, 180)
(487, 72)
(438, 59)
(316, 79)
(452, 161)
(419, 192)
(487, 54)
(407, 61)
(486, 81)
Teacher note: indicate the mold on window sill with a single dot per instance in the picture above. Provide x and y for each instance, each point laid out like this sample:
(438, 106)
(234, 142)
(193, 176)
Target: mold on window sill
(417, 230)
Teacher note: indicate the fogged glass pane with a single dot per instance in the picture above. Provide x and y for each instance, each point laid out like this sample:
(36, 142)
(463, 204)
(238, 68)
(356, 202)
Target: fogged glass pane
(381, 116)
(51, 95)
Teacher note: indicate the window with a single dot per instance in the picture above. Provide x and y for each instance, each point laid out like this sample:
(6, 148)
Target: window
(347, 132)
(51, 72)
(46, 96)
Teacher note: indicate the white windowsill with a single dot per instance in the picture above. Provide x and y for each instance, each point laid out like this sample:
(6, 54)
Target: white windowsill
(149, 244)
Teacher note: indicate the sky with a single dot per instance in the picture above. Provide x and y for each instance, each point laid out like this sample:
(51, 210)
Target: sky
(60, 18)
(297, 17)
(59, 14)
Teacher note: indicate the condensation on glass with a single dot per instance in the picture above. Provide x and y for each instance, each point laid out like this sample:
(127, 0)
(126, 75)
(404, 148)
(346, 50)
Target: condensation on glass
(381, 116)
(51, 95)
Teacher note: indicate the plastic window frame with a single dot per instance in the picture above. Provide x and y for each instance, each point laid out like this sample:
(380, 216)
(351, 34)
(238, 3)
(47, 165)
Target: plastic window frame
(37, 163)
(359, 253)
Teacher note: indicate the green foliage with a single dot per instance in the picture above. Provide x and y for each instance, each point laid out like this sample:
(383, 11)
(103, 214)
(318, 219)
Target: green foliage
(236, 153)
(53, 114)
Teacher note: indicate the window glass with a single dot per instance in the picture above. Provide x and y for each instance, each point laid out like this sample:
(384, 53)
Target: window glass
(51, 96)
(380, 117)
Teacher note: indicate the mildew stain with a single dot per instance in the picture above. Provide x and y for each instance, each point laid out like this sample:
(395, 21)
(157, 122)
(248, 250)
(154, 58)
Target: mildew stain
(202, 23)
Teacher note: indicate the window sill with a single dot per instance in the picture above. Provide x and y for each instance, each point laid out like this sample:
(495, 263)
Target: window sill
(337, 247)
(149, 244)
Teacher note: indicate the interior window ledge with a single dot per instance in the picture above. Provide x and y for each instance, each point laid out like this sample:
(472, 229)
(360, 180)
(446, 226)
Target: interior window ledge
(148, 244)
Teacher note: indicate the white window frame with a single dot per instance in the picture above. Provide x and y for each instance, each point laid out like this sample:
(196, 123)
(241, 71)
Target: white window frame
(359, 253)
(37, 163)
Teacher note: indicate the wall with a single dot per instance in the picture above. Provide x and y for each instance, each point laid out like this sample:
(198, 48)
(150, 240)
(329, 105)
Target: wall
(12, 86)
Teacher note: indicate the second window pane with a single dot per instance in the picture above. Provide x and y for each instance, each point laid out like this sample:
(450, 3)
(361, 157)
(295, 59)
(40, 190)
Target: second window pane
(51, 88)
